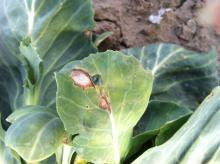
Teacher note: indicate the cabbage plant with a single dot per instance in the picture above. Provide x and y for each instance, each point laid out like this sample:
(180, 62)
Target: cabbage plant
(63, 102)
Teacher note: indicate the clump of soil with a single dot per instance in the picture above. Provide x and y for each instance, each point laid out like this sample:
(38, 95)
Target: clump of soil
(129, 21)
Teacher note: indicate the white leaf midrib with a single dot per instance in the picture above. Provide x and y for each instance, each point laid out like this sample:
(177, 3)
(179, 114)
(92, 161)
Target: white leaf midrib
(31, 16)
(158, 65)
(115, 139)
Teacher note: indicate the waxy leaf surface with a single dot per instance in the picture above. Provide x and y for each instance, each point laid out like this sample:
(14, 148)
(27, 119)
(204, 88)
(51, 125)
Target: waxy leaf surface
(161, 120)
(197, 141)
(103, 129)
(181, 76)
(6, 154)
(35, 135)
(37, 38)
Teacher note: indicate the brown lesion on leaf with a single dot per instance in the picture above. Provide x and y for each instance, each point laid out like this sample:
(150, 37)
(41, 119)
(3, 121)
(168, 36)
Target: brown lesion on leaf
(82, 79)
(104, 102)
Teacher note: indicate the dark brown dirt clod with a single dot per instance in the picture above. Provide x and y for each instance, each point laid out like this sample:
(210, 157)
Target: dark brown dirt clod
(128, 19)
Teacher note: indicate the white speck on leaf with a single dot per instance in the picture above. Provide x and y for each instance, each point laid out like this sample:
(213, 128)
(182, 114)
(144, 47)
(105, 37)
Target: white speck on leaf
(156, 19)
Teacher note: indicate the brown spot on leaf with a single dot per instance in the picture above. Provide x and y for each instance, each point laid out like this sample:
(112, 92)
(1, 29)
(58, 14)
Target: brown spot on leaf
(81, 79)
(104, 103)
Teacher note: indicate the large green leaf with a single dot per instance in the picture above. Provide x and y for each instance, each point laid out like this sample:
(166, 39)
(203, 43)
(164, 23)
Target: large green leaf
(181, 76)
(34, 135)
(37, 38)
(52, 34)
(103, 130)
(197, 141)
(160, 118)
(7, 156)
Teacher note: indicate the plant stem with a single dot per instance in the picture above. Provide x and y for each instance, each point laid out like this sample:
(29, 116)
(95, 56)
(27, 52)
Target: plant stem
(32, 96)
(67, 153)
